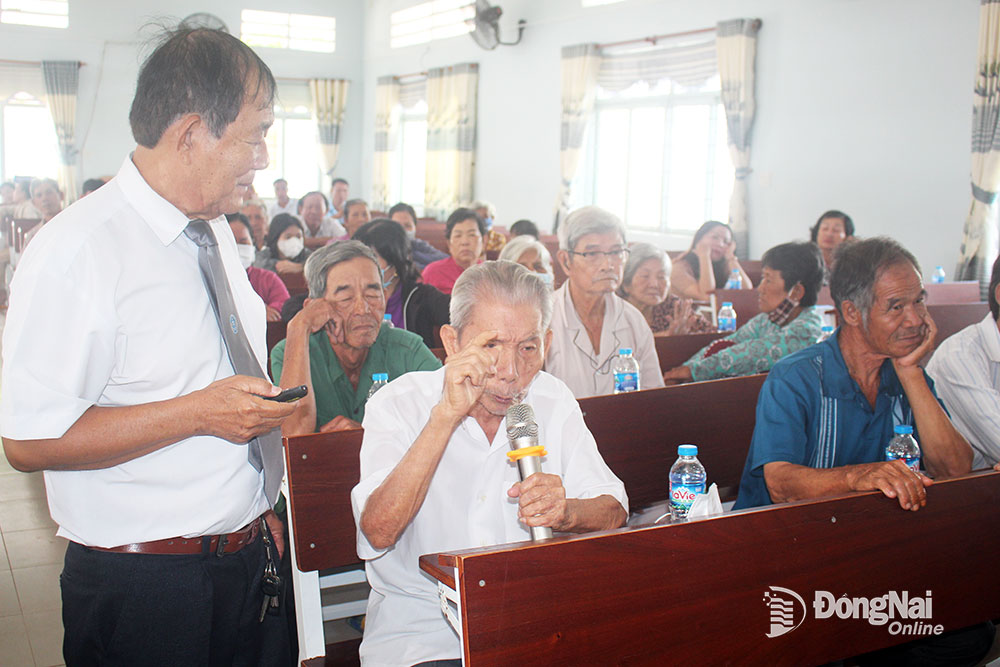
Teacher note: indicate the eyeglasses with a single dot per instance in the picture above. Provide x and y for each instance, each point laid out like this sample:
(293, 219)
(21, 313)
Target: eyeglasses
(594, 256)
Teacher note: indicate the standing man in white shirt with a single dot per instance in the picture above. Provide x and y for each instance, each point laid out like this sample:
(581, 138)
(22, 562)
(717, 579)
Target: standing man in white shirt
(966, 373)
(282, 202)
(590, 323)
(119, 379)
(434, 469)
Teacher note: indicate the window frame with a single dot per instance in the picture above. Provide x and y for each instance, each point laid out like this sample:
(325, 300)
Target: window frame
(292, 41)
(56, 21)
(35, 103)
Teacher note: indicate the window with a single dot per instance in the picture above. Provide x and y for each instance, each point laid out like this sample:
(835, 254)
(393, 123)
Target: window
(278, 30)
(28, 139)
(595, 3)
(437, 19)
(411, 157)
(44, 13)
(293, 147)
(657, 157)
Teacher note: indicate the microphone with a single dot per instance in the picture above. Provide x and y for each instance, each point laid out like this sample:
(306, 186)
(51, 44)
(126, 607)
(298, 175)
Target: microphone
(522, 431)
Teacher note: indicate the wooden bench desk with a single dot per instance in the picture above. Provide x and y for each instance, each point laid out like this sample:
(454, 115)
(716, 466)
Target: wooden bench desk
(734, 589)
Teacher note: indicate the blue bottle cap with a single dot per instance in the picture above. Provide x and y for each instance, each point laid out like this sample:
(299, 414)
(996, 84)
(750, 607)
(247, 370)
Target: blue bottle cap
(827, 328)
(387, 317)
(375, 377)
(903, 428)
(687, 450)
(625, 350)
(727, 303)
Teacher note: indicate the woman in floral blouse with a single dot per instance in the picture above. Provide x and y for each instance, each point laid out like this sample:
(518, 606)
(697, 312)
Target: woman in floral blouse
(791, 276)
(645, 284)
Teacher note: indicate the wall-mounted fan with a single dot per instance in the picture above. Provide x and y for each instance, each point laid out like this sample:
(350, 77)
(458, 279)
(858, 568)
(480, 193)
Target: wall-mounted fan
(203, 20)
(486, 26)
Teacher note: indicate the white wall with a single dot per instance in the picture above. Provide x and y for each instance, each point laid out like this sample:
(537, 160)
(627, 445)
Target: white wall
(863, 105)
(112, 42)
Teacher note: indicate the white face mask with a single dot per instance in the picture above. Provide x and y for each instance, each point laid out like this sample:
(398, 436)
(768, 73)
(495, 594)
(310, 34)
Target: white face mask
(547, 278)
(247, 253)
(411, 233)
(291, 247)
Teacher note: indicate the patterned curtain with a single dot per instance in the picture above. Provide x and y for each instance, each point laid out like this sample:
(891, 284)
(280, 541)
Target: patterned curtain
(580, 65)
(451, 138)
(736, 44)
(329, 98)
(979, 238)
(61, 83)
(386, 127)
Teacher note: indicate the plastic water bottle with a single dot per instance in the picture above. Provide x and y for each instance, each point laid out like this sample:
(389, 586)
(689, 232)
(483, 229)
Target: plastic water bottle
(387, 321)
(938, 276)
(727, 317)
(904, 446)
(735, 280)
(626, 371)
(379, 380)
(687, 479)
(826, 332)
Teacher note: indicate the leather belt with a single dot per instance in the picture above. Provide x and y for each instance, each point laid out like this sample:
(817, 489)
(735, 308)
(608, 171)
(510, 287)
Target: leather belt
(218, 544)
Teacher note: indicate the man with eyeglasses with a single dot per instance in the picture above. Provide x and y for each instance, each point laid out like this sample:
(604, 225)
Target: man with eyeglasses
(589, 322)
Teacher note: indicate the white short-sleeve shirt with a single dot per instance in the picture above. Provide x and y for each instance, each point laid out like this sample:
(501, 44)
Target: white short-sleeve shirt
(571, 356)
(466, 504)
(108, 308)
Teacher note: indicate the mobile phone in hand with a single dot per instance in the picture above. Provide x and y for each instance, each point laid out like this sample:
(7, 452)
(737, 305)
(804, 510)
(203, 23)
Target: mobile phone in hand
(288, 395)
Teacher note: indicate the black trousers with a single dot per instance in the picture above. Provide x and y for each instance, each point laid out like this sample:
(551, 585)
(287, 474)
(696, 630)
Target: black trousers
(144, 609)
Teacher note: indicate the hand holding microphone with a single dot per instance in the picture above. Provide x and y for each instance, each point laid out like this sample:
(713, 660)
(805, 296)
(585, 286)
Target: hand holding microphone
(543, 493)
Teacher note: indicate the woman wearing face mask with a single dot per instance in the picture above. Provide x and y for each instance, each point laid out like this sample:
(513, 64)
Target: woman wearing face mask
(531, 254)
(423, 252)
(266, 283)
(791, 276)
(412, 305)
(493, 240)
(284, 249)
(708, 265)
(646, 283)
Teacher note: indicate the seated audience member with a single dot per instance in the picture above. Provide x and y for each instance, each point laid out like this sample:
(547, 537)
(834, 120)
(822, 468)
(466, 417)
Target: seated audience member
(826, 413)
(283, 251)
(266, 284)
(282, 202)
(46, 197)
(423, 252)
(6, 193)
(646, 285)
(255, 213)
(22, 207)
(337, 341)
(532, 255)
(90, 185)
(524, 227)
(355, 214)
(589, 322)
(492, 239)
(966, 373)
(339, 193)
(464, 231)
(791, 277)
(434, 470)
(708, 264)
(832, 229)
(319, 230)
(413, 305)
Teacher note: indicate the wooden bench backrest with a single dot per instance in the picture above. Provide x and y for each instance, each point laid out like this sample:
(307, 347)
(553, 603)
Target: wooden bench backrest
(638, 434)
(295, 282)
(276, 332)
(963, 291)
(675, 350)
(322, 470)
(696, 593)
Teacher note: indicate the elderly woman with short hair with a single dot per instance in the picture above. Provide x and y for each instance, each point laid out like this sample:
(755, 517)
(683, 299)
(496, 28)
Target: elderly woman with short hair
(791, 276)
(530, 253)
(590, 324)
(646, 285)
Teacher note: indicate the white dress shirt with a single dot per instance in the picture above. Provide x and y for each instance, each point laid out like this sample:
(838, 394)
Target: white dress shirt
(108, 308)
(966, 373)
(571, 356)
(291, 208)
(466, 504)
(327, 227)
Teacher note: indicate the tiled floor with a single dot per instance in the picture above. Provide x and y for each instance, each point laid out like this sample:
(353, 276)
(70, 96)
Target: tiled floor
(30, 561)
